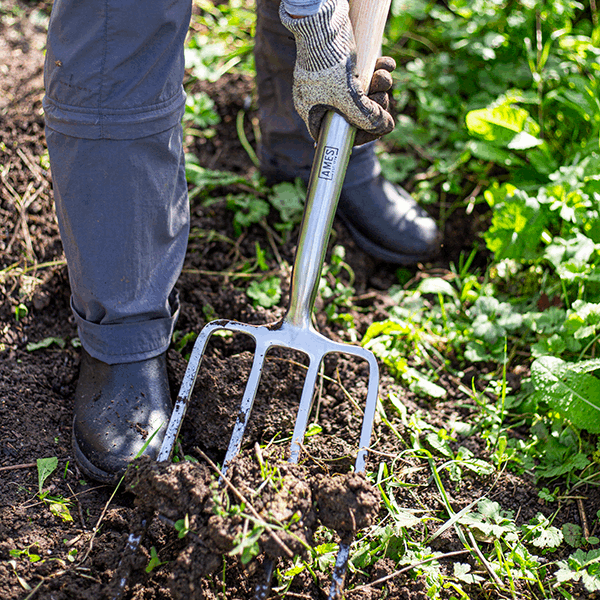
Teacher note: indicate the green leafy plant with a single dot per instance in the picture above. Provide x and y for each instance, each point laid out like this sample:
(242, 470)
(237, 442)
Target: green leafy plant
(45, 468)
(222, 39)
(247, 210)
(182, 526)
(57, 505)
(200, 115)
(288, 199)
(21, 311)
(265, 293)
(46, 343)
(581, 566)
(246, 544)
(570, 389)
(154, 561)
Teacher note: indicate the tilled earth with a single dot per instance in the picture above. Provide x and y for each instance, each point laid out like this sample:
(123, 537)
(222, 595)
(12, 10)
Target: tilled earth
(45, 556)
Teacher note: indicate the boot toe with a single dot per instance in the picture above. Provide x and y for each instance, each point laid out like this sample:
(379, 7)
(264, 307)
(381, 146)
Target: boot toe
(119, 409)
(387, 223)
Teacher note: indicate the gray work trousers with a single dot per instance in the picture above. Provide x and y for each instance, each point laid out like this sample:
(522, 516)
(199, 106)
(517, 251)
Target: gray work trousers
(113, 108)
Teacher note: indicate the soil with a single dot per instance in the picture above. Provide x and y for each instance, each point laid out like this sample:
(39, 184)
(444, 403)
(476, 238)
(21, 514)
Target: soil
(45, 556)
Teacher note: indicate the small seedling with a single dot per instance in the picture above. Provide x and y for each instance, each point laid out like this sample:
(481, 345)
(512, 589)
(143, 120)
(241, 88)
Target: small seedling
(182, 526)
(21, 311)
(57, 505)
(246, 544)
(45, 468)
(154, 561)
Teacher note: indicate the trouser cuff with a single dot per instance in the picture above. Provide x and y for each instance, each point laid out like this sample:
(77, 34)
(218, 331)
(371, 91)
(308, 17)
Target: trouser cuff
(129, 341)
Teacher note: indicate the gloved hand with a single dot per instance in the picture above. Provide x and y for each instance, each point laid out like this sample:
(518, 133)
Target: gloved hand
(325, 76)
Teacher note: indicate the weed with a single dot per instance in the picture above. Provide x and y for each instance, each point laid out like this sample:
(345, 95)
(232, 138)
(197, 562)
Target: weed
(57, 505)
(46, 343)
(221, 40)
(265, 293)
(200, 115)
(154, 561)
(581, 566)
(21, 311)
(182, 526)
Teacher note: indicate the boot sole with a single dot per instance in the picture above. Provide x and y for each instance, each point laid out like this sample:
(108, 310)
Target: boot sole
(90, 470)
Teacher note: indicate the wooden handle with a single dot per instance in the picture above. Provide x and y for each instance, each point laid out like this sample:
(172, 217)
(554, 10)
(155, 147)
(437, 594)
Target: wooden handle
(368, 19)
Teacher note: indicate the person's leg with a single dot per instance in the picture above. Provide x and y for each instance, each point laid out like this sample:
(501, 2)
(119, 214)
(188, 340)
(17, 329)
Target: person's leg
(383, 219)
(113, 105)
(123, 213)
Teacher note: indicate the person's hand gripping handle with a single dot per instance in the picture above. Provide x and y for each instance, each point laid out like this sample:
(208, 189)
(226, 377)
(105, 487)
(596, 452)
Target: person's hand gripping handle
(337, 63)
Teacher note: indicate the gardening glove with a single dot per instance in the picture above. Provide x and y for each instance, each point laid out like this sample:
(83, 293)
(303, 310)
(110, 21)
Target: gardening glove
(325, 75)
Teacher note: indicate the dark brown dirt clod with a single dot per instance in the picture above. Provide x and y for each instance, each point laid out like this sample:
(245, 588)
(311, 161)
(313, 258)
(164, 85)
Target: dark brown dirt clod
(284, 501)
(346, 503)
(170, 489)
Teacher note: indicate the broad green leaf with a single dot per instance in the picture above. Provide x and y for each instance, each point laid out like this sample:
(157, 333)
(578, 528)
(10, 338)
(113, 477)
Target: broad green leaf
(487, 330)
(541, 159)
(288, 199)
(568, 464)
(61, 510)
(462, 572)
(477, 465)
(573, 535)
(499, 124)
(208, 180)
(517, 227)
(439, 444)
(200, 110)
(397, 167)
(313, 429)
(294, 571)
(387, 327)
(247, 209)
(403, 518)
(421, 385)
(45, 468)
(581, 566)
(496, 193)
(550, 537)
(486, 151)
(436, 285)
(569, 389)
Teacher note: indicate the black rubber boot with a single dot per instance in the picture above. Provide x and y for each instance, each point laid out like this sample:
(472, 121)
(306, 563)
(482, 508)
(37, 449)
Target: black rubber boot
(117, 410)
(386, 222)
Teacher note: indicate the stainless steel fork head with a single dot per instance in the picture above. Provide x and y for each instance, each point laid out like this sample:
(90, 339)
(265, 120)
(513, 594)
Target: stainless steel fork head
(285, 335)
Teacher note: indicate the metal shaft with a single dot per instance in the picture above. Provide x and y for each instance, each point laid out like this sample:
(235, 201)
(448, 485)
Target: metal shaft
(327, 176)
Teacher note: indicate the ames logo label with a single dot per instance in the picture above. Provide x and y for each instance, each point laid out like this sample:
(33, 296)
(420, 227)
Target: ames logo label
(330, 156)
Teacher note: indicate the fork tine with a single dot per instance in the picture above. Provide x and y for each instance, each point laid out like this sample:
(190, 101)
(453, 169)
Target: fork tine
(235, 441)
(339, 571)
(303, 413)
(370, 408)
(185, 390)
